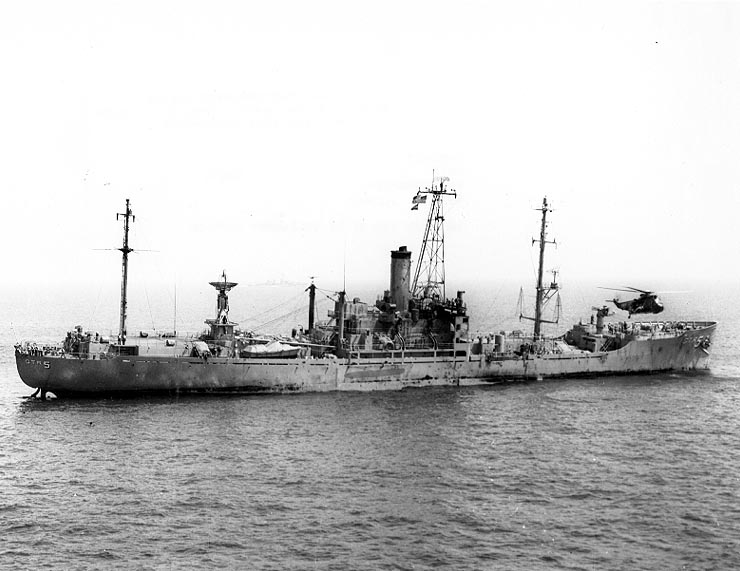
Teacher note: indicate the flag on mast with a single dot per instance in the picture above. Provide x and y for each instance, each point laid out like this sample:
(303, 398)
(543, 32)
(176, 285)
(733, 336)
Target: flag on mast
(417, 200)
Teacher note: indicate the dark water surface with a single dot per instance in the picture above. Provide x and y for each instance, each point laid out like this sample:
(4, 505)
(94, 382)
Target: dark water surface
(618, 473)
(587, 474)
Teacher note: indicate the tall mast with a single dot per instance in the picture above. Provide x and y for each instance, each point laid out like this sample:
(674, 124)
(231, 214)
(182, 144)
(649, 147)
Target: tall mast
(544, 293)
(431, 263)
(540, 290)
(124, 278)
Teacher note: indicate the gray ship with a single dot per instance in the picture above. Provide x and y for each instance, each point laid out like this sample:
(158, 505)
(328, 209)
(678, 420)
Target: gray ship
(413, 336)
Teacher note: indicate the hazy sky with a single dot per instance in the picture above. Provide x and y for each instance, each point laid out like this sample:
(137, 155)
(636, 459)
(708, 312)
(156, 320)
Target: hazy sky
(279, 140)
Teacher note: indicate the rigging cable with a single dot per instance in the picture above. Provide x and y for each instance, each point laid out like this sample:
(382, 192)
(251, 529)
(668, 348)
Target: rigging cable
(97, 302)
(278, 319)
(271, 309)
(146, 293)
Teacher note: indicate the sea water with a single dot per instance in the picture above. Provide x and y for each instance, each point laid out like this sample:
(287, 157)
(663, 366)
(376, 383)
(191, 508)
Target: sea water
(634, 472)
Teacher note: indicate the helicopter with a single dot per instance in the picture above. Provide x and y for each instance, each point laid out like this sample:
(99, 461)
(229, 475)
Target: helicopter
(645, 302)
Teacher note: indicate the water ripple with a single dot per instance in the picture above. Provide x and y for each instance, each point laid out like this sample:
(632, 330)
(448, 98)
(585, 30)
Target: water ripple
(634, 473)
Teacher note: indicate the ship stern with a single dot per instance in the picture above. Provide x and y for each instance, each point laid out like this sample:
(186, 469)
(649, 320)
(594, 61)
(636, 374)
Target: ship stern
(34, 368)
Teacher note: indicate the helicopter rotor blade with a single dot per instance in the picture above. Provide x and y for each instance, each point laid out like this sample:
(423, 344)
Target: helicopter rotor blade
(617, 289)
(638, 290)
(133, 250)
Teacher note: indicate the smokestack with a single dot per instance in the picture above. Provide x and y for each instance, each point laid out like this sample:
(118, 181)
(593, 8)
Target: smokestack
(400, 278)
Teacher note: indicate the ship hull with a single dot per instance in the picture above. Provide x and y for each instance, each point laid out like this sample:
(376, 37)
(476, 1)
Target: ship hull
(146, 374)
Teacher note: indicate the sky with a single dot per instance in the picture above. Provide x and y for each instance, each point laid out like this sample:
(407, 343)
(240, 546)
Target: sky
(283, 140)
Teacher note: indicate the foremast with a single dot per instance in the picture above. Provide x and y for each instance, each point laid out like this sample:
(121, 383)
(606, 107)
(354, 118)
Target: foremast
(429, 277)
(125, 250)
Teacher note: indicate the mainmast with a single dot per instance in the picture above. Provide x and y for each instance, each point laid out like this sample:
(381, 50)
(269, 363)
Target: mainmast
(124, 278)
(431, 263)
(543, 294)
